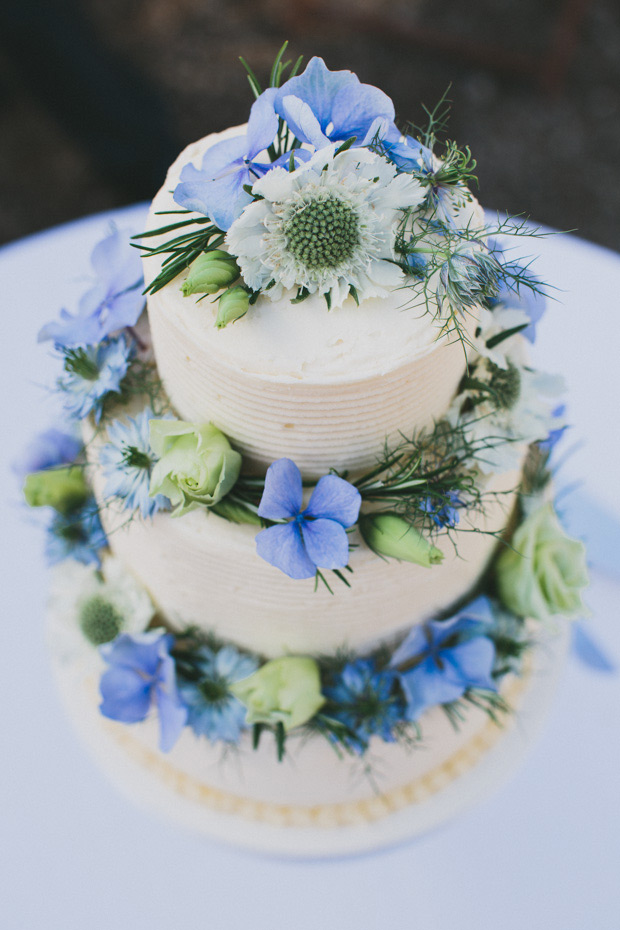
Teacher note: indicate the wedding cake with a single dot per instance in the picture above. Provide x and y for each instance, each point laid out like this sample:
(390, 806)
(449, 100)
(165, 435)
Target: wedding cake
(309, 554)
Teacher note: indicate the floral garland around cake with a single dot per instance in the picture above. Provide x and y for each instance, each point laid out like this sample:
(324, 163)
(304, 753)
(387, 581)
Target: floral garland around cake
(395, 206)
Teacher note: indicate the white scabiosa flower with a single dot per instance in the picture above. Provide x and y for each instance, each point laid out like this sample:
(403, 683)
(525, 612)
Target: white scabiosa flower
(493, 339)
(510, 408)
(88, 608)
(328, 227)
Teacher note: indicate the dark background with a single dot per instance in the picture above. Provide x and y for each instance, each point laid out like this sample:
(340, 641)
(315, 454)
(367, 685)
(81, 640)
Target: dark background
(97, 97)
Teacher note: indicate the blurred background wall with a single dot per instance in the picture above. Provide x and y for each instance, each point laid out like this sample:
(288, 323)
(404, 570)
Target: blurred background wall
(97, 97)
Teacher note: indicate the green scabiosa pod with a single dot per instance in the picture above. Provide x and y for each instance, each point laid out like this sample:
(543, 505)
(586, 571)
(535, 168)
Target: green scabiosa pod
(64, 489)
(545, 570)
(233, 304)
(210, 272)
(196, 464)
(285, 690)
(389, 535)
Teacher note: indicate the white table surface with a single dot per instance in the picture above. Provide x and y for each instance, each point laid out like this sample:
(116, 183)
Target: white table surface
(544, 852)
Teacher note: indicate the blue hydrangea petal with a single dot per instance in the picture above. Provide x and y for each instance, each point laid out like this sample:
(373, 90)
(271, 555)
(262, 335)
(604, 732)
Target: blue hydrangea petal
(335, 499)
(426, 686)
(262, 124)
(125, 695)
(282, 496)
(317, 87)
(303, 122)
(134, 652)
(47, 450)
(471, 663)
(283, 547)
(414, 644)
(359, 109)
(327, 543)
(222, 199)
(116, 262)
(172, 718)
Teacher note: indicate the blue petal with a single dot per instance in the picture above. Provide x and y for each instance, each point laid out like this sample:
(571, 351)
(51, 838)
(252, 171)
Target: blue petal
(303, 122)
(282, 497)
(326, 543)
(471, 663)
(262, 124)
(414, 644)
(335, 499)
(222, 199)
(317, 87)
(356, 109)
(283, 547)
(218, 159)
(590, 652)
(426, 686)
(140, 651)
(116, 262)
(126, 695)
(172, 718)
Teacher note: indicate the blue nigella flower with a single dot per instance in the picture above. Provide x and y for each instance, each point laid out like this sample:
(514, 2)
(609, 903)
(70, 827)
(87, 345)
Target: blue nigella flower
(549, 444)
(216, 188)
(127, 460)
(323, 106)
(49, 449)
(212, 710)
(115, 301)
(93, 372)
(440, 660)
(313, 538)
(142, 674)
(77, 535)
(442, 197)
(366, 701)
(444, 512)
(524, 298)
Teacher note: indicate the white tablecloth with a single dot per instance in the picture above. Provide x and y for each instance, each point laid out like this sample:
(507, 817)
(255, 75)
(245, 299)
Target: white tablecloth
(542, 853)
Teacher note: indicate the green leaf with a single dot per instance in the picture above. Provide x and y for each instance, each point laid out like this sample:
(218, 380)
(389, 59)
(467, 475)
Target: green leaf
(253, 80)
(345, 145)
(506, 334)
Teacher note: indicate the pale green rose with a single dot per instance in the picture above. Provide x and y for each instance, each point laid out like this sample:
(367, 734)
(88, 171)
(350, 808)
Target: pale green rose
(389, 535)
(232, 305)
(196, 464)
(545, 571)
(64, 489)
(210, 272)
(286, 691)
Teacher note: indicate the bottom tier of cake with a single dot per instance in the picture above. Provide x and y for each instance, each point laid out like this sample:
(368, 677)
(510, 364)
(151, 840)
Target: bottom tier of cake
(314, 803)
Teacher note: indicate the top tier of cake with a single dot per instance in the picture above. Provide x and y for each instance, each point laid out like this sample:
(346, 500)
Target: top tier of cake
(324, 388)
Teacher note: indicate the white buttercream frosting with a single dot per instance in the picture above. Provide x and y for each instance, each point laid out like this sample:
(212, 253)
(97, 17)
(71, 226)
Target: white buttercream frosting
(323, 387)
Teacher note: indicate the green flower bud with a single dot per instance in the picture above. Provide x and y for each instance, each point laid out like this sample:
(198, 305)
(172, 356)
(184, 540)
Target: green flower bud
(232, 305)
(544, 572)
(390, 535)
(196, 464)
(286, 691)
(64, 489)
(210, 273)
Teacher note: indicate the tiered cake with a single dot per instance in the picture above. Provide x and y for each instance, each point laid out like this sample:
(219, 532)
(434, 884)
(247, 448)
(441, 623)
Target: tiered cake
(316, 502)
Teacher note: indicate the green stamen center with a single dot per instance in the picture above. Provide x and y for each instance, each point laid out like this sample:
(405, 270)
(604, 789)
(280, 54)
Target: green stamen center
(214, 690)
(505, 386)
(99, 620)
(323, 233)
(79, 363)
(136, 458)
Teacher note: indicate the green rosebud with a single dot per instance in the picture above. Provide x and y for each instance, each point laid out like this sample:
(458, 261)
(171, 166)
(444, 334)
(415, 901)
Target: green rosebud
(232, 305)
(286, 691)
(64, 489)
(196, 464)
(545, 571)
(210, 272)
(390, 535)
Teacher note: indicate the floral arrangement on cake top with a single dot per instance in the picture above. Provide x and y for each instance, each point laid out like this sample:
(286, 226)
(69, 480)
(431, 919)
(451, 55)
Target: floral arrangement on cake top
(322, 195)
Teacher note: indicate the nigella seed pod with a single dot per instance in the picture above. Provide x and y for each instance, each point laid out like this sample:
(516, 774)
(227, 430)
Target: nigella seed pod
(391, 536)
(233, 304)
(210, 272)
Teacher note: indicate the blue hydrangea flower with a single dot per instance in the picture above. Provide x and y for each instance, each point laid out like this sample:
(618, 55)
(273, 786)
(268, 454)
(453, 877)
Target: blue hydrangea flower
(323, 106)
(48, 449)
(549, 444)
(115, 301)
(142, 675)
(312, 538)
(216, 188)
(77, 535)
(440, 660)
(93, 372)
(444, 512)
(127, 460)
(212, 710)
(366, 701)
(533, 303)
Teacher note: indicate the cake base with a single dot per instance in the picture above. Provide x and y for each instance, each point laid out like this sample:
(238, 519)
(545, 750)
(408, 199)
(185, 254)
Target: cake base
(314, 804)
